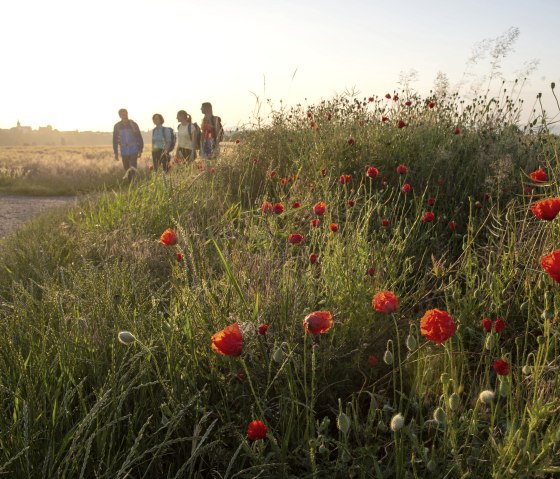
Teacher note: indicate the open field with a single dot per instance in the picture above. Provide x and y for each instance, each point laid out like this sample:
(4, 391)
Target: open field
(364, 278)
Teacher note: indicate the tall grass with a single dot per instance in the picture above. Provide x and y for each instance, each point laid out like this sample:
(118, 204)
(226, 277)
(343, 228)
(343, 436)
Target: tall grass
(76, 402)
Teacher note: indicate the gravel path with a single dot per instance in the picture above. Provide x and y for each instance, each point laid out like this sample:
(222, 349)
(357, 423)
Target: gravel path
(15, 210)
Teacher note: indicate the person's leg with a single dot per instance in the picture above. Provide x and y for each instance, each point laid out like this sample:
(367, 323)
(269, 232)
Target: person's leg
(156, 158)
(125, 162)
(165, 160)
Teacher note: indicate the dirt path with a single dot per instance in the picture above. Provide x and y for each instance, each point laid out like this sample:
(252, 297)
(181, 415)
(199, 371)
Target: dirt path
(16, 210)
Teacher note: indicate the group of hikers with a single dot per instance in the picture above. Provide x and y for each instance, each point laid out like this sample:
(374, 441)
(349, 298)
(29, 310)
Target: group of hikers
(189, 138)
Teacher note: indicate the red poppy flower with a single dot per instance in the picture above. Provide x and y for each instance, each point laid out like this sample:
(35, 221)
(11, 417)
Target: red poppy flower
(272, 174)
(551, 264)
(385, 302)
(344, 179)
(538, 176)
(395, 97)
(384, 119)
(315, 222)
(278, 208)
(313, 258)
(431, 104)
(262, 329)
(487, 325)
(256, 430)
(501, 367)
(478, 204)
(267, 208)
(405, 188)
(528, 190)
(457, 131)
(437, 325)
(351, 203)
(168, 237)
(351, 141)
(401, 124)
(320, 208)
(295, 238)
(372, 360)
(499, 325)
(372, 172)
(283, 181)
(179, 256)
(384, 181)
(311, 188)
(431, 201)
(546, 209)
(428, 217)
(228, 341)
(452, 225)
(385, 222)
(309, 114)
(370, 99)
(388, 96)
(237, 141)
(329, 116)
(318, 322)
(402, 169)
(323, 172)
(486, 196)
(408, 103)
(296, 204)
(371, 271)
(333, 227)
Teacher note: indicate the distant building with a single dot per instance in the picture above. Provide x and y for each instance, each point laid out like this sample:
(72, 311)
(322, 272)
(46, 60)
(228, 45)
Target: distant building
(21, 129)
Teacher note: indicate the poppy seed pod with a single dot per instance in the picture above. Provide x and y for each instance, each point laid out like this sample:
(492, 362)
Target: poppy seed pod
(126, 337)
(397, 422)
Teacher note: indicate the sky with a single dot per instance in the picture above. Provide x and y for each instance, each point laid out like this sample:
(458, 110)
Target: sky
(72, 64)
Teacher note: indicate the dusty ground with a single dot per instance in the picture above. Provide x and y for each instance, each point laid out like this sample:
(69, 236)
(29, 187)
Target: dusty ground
(15, 210)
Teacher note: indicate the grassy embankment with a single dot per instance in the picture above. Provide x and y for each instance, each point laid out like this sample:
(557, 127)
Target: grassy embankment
(78, 403)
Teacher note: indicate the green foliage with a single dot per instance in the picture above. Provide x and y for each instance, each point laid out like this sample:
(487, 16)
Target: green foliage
(76, 402)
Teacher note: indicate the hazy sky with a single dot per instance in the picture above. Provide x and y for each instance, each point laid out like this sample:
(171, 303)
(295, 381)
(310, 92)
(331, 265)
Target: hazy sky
(73, 64)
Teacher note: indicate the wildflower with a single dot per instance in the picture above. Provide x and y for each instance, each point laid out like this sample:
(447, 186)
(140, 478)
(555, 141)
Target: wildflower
(388, 96)
(486, 396)
(267, 208)
(126, 337)
(385, 302)
(313, 258)
(168, 237)
(431, 104)
(501, 367)
(499, 325)
(311, 188)
(256, 430)
(296, 204)
(384, 181)
(487, 196)
(372, 172)
(315, 222)
(428, 217)
(487, 325)
(395, 97)
(320, 208)
(318, 322)
(385, 223)
(278, 208)
(408, 103)
(452, 225)
(478, 204)
(344, 179)
(333, 227)
(370, 99)
(437, 325)
(295, 238)
(384, 119)
(271, 174)
(351, 141)
(228, 341)
(323, 172)
(402, 169)
(551, 264)
(372, 360)
(262, 329)
(538, 176)
(237, 141)
(546, 209)
(405, 188)
(371, 271)
(401, 124)
(528, 190)
(397, 422)
(430, 201)
(350, 203)
(457, 131)
(179, 256)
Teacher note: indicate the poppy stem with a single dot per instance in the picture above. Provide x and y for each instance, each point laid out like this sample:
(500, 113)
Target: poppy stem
(399, 361)
(255, 396)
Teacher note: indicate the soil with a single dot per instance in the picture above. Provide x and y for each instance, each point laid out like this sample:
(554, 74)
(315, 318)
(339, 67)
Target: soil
(16, 210)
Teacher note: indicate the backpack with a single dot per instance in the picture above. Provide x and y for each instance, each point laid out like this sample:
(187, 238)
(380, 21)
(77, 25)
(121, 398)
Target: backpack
(218, 126)
(195, 136)
(171, 147)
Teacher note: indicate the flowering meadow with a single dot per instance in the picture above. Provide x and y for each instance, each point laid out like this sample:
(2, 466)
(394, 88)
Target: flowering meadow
(363, 288)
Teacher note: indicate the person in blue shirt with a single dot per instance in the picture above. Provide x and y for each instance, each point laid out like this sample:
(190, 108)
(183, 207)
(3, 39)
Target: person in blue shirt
(127, 136)
(162, 143)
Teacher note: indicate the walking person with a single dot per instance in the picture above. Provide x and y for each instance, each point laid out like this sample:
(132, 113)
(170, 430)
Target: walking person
(163, 142)
(188, 136)
(127, 136)
(212, 132)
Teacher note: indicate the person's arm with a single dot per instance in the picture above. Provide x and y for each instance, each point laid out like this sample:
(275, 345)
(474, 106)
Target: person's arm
(116, 141)
(140, 140)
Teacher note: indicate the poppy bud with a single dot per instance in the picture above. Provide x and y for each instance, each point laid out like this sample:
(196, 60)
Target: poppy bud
(486, 396)
(527, 370)
(278, 355)
(431, 466)
(343, 422)
(440, 416)
(126, 337)
(411, 342)
(489, 342)
(445, 379)
(388, 357)
(397, 422)
(454, 402)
